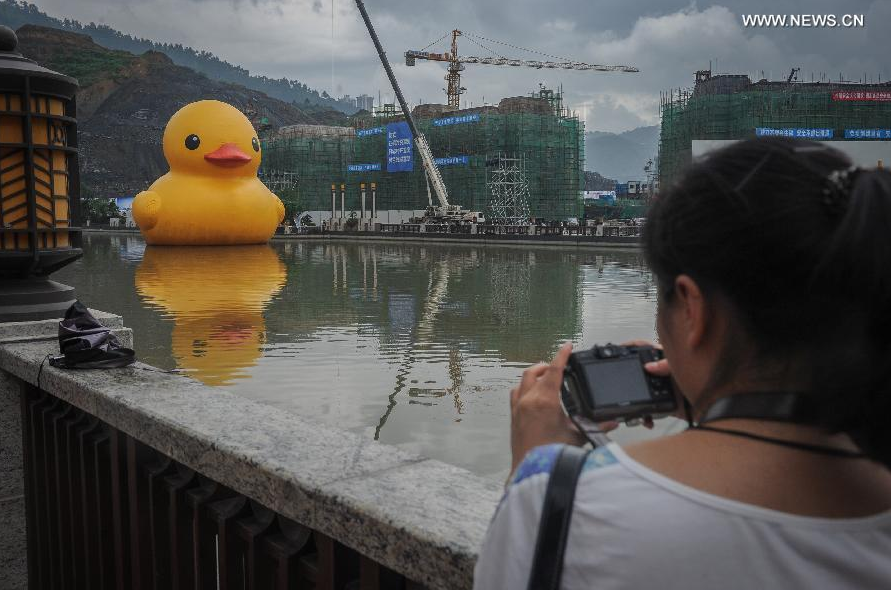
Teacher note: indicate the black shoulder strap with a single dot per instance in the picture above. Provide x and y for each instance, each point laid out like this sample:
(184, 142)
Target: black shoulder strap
(556, 513)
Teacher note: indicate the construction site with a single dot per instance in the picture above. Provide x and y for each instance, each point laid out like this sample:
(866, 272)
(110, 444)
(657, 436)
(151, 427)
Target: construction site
(513, 164)
(732, 107)
(531, 143)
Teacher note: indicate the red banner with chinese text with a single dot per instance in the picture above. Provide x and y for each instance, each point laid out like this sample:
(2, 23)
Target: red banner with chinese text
(882, 96)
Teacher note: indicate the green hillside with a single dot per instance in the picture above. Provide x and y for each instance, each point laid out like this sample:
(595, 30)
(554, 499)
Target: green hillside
(125, 101)
(15, 13)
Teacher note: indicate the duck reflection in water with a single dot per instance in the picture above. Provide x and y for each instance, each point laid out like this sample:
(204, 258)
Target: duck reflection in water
(216, 296)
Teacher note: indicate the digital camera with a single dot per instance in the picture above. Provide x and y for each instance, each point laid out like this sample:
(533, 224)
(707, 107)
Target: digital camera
(610, 383)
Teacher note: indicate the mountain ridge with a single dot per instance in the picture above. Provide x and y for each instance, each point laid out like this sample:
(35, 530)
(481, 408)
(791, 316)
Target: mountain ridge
(621, 155)
(15, 13)
(125, 101)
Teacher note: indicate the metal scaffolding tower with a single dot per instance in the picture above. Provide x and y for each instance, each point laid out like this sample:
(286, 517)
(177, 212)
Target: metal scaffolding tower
(509, 188)
(278, 181)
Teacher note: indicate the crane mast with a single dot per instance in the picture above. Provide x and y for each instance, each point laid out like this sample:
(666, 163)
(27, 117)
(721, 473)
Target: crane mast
(434, 178)
(454, 89)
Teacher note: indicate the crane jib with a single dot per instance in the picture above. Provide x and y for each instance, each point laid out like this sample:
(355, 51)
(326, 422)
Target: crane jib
(456, 62)
(507, 61)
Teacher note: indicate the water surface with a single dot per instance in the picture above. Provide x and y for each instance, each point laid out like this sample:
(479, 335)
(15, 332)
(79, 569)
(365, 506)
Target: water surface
(413, 345)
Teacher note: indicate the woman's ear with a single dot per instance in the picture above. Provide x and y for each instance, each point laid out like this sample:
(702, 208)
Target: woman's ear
(694, 313)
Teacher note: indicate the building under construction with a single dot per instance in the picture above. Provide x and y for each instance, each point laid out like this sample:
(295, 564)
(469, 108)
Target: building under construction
(728, 107)
(535, 133)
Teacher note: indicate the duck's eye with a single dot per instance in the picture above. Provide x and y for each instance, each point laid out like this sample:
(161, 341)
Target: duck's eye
(256, 143)
(193, 141)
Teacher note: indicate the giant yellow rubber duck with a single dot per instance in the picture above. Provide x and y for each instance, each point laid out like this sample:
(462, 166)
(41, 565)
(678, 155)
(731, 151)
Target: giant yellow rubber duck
(216, 297)
(212, 195)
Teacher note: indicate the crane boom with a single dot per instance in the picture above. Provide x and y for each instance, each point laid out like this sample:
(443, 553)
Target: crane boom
(433, 175)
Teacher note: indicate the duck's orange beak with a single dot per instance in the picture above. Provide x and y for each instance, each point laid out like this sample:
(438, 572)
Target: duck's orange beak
(228, 156)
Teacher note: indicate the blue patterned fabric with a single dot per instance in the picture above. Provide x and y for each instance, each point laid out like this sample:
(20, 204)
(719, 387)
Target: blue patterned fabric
(541, 460)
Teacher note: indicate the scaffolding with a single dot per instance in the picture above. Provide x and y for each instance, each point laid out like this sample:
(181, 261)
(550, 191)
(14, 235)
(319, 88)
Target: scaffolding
(509, 186)
(278, 181)
(733, 107)
(537, 128)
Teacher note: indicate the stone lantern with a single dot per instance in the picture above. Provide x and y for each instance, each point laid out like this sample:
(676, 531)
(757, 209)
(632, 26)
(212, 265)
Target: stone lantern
(39, 185)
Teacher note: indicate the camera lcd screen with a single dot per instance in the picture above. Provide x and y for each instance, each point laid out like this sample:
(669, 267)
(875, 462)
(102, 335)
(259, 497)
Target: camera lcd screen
(617, 382)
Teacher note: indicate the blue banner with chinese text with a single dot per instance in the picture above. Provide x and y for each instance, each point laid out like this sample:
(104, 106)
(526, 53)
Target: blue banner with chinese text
(474, 118)
(363, 167)
(867, 133)
(452, 161)
(367, 132)
(399, 147)
(786, 132)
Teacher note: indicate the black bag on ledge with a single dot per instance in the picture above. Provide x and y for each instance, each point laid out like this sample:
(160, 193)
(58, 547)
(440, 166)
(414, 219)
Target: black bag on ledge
(87, 344)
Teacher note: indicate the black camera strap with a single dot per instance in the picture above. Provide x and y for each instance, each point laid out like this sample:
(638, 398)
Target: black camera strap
(764, 405)
(794, 407)
(556, 514)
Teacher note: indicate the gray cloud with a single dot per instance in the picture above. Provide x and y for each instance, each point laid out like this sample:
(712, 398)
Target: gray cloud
(666, 40)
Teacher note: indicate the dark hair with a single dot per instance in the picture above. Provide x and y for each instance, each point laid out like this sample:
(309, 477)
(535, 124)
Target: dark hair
(799, 244)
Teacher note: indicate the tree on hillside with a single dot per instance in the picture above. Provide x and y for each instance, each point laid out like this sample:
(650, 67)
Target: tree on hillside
(291, 200)
(99, 210)
(596, 182)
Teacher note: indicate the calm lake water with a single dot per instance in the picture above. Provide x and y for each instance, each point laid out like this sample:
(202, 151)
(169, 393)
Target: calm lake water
(413, 345)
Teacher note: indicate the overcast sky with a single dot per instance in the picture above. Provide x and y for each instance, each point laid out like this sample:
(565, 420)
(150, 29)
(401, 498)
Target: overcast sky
(667, 40)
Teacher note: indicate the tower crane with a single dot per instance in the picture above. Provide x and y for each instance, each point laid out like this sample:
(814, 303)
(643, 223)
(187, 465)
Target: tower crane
(456, 62)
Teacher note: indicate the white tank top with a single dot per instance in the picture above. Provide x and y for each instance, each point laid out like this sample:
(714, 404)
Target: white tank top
(634, 528)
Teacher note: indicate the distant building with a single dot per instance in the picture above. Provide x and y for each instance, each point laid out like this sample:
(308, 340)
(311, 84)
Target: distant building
(855, 117)
(125, 204)
(364, 102)
(637, 189)
(386, 110)
(602, 196)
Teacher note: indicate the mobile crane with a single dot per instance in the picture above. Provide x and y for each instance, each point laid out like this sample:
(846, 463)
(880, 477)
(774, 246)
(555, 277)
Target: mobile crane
(445, 212)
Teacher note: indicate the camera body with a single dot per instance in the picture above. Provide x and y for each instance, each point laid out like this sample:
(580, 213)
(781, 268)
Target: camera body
(610, 383)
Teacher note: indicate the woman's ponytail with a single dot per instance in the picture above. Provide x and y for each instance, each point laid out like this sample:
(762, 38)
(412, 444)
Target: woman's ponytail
(858, 260)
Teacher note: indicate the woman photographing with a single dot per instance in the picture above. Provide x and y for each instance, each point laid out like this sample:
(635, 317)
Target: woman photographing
(772, 259)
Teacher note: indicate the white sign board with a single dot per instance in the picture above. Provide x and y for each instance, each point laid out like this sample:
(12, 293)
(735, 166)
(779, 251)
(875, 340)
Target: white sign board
(597, 195)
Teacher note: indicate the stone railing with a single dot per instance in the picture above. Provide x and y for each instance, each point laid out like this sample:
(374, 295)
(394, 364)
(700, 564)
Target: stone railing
(136, 478)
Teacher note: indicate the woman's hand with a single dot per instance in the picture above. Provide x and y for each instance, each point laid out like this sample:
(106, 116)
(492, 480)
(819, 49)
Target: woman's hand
(537, 417)
(658, 368)
(661, 368)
